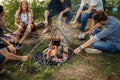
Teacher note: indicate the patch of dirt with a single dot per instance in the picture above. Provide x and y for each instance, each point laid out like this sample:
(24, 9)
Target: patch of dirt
(80, 71)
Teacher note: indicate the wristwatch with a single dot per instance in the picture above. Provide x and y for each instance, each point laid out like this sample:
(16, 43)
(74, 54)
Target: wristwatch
(80, 48)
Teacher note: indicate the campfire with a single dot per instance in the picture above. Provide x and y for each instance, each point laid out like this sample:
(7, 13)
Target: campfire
(54, 54)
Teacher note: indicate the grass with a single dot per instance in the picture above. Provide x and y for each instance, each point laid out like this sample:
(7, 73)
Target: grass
(107, 65)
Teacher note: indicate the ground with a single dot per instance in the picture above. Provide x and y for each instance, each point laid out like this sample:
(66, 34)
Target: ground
(104, 66)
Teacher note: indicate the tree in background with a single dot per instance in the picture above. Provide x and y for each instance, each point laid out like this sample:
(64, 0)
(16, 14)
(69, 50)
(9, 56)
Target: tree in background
(38, 9)
(10, 7)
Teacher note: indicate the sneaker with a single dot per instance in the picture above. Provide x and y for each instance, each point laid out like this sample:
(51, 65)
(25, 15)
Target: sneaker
(19, 46)
(81, 36)
(91, 50)
(91, 36)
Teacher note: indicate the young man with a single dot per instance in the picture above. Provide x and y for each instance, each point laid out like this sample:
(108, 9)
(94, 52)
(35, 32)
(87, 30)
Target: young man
(107, 40)
(60, 8)
(6, 54)
(86, 10)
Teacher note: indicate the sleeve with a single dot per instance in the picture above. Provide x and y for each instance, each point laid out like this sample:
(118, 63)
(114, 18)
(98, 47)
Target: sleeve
(105, 33)
(82, 3)
(69, 3)
(94, 2)
(50, 5)
(30, 14)
(17, 15)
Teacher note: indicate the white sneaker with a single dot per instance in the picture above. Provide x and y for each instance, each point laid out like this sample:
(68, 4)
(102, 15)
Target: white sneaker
(91, 36)
(81, 36)
(91, 50)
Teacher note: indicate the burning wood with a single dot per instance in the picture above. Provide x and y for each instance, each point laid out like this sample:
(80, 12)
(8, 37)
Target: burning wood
(54, 54)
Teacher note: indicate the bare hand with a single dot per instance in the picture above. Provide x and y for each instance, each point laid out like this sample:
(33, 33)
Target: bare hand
(73, 23)
(77, 50)
(46, 23)
(24, 58)
(86, 12)
(88, 32)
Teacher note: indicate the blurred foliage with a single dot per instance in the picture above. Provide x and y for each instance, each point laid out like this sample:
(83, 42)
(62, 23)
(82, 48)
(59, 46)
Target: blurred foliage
(11, 7)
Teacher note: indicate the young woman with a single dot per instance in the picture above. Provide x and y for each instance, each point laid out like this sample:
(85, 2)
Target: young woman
(107, 40)
(24, 21)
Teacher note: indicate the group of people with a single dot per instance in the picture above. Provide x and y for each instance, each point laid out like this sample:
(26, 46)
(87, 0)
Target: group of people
(106, 39)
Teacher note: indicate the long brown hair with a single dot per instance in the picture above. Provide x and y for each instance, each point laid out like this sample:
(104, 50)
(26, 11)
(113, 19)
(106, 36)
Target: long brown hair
(20, 10)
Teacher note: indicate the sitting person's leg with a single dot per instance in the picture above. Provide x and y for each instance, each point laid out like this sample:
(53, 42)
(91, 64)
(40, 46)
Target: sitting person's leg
(68, 16)
(27, 31)
(79, 19)
(18, 32)
(11, 49)
(51, 14)
(84, 8)
(10, 38)
(84, 19)
(105, 46)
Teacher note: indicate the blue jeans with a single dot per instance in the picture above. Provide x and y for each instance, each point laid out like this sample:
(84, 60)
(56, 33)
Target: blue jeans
(103, 44)
(83, 18)
(69, 14)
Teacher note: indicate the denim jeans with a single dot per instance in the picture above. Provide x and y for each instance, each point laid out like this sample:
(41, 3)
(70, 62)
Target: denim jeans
(103, 45)
(69, 14)
(83, 18)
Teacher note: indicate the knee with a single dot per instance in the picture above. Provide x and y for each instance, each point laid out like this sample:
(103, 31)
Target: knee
(12, 48)
(84, 16)
(28, 30)
(21, 24)
(70, 13)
